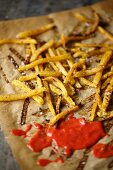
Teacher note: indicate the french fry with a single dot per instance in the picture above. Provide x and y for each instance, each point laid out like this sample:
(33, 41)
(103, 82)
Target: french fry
(21, 96)
(41, 74)
(74, 67)
(106, 82)
(105, 33)
(48, 98)
(107, 95)
(35, 32)
(63, 114)
(58, 104)
(82, 17)
(53, 65)
(93, 111)
(42, 61)
(93, 45)
(18, 41)
(55, 89)
(58, 83)
(87, 82)
(25, 88)
(42, 49)
(104, 60)
(69, 100)
(84, 73)
(58, 64)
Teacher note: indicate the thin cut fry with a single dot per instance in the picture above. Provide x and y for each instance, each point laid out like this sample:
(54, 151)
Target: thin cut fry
(58, 64)
(48, 98)
(42, 61)
(21, 96)
(35, 32)
(63, 114)
(105, 59)
(55, 89)
(58, 104)
(41, 74)
(92, 45)
(73, 68)
(25, 88)
(87, 82)
(105, 33)
(42, 49)
(18, 41)
(89, 72)
(93, 111)
(58, 83)
(69, 100)
(83, 18)
(107, 95)
(107, 81)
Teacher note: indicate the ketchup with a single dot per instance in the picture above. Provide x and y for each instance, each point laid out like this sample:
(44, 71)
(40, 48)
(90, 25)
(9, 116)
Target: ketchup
(44, 162)
(101, 150)
(71, 134)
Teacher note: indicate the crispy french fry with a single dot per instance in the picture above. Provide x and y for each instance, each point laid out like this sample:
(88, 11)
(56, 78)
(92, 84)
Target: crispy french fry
(105, 33)
(18, 41)
(58, 64)
(104, 60)
(69, 100)
(35, 32)
(93, 111)
(41, 74)
(63, 114)
(58, 83)
(89, 72)
(42, 61)
(107, 95)
(21, 96)
(74, 67)
(25, 88)
(82, 17)
(48, 98)
(106, 82)
(87, 82)
(53, 65)
(58, 104)
(55, 89)
(93, 45)
(42, 49)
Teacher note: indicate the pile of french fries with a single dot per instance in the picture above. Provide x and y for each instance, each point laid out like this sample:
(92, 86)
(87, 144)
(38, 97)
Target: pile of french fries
(60, 68)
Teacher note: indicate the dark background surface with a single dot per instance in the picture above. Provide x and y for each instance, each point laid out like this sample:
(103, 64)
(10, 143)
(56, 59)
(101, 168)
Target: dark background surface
(11, 9)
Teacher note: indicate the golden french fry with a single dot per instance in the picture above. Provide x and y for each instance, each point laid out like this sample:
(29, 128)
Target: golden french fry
(58, 83)
(55, 89)
(89, 72)
(21, 96)
(48, 98)
(41, 74)
(58, 102)
(63, 114)
(42, 61)
(105, 33)
(58, 64)
(72, 69)
(104, 60)
(87, 82)
(41, 49)
(25, 88)
(107, 95)
(18, 41)
(106, 82)
(93, 111)
(35, 32)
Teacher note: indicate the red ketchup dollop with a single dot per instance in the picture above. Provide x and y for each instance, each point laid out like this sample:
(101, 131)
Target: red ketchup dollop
(71, 134)
(101, 150)
(44, 162)
(23, 133)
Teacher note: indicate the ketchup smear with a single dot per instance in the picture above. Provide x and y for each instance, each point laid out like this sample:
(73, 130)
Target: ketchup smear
(44, 162)
(71, 134)
(101, 150)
